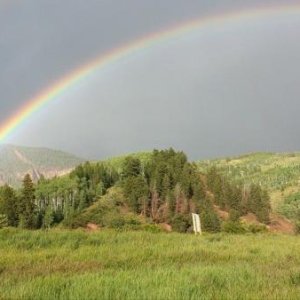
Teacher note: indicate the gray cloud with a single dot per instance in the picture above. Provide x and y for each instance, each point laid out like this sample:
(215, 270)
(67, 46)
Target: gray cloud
(215, 92)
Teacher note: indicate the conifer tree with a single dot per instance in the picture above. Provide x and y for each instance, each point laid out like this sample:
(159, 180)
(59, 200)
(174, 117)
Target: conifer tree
(209, 219)
(136, 192)
(27, 203)
(9, 205)
(131, 167)
(259, 203)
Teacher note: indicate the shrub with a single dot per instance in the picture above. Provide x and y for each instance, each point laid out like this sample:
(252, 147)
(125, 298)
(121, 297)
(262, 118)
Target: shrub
(256, 228)
(151, 228)
(3, 221)
(210, 221)
(234, 215)
(117, 222)
(127, 222)
(295, 279)
(233, 227)
(180, 223)
(297, 227)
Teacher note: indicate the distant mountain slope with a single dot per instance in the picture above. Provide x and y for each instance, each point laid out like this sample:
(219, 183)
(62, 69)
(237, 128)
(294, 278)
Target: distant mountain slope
(278, 172)
(16, 161)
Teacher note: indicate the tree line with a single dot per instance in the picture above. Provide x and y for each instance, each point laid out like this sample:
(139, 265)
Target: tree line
(165, 189)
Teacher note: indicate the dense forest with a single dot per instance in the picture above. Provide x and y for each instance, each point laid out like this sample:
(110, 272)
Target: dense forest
(165, 189)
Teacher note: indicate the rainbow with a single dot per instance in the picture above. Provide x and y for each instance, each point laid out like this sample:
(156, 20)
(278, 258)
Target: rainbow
(64, 84)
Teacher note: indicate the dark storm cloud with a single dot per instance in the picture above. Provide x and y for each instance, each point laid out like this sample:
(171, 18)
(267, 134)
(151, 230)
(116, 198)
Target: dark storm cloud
(223, 92)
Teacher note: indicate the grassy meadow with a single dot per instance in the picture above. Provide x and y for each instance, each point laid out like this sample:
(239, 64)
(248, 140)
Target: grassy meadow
(62, 264)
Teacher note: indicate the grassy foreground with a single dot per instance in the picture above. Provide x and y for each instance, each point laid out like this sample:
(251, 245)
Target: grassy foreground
(142, 265)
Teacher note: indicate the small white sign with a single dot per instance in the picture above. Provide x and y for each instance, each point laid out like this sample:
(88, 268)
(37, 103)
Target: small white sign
(196, 224)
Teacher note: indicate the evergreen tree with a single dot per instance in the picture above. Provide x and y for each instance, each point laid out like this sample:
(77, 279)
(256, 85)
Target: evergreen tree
(209, 218)
(259, 203)
(136, 192)
(9, 205)
(132, 167)
(27, 204)
(216, 185)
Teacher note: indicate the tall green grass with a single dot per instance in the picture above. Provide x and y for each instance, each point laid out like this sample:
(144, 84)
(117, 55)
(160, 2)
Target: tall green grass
(142, 265)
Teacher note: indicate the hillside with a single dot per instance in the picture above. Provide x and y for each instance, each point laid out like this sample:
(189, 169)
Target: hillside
(163, 186)
(16, 161)
(277, 172)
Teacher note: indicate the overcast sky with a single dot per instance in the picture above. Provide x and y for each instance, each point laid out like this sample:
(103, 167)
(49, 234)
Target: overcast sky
(219, 91)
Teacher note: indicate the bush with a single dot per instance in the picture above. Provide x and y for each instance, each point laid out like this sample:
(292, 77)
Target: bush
(153, 228)
(127, 222)
(297, 227)
(3, 221)
(117, 223)
(255, 228)
(233, 227)
(180, 223)
(75, 220)
(234, 215)
(263, 216)
(210, 221)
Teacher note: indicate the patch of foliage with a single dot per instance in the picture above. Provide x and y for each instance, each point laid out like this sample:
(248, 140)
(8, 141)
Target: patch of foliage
(291, 207)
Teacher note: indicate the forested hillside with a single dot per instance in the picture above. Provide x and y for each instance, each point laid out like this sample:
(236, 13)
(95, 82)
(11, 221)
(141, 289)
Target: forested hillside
(161, 188)
(274, 171)
(279, 173)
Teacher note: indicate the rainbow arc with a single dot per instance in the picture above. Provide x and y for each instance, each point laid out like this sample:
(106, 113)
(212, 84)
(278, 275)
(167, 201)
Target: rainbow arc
(64, 84)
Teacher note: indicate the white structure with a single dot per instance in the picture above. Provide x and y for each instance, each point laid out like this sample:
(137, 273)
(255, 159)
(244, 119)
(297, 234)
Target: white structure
(196, 224)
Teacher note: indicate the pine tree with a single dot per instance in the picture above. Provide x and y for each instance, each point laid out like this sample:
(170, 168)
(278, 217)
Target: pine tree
(209, 218)
(131, 167)
(254, 198)
(136, 192)
(9, 205)
(259, 203)
(27, 203)
(215, 185)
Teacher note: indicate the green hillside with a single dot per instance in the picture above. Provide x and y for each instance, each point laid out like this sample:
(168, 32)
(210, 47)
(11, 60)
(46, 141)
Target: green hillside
(277, 172)
(16, 161)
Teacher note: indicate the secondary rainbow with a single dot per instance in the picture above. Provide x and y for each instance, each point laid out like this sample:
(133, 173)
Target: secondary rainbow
(64, 84)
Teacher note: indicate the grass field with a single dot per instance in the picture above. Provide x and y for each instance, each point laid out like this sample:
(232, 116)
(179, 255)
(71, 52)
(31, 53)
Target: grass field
(140, 265)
